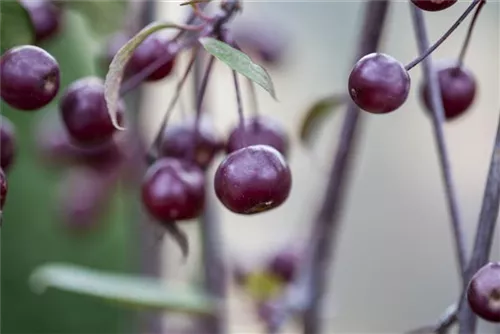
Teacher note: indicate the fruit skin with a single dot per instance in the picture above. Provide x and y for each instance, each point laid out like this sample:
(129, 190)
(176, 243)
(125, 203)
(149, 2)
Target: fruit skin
(7, 143)
(433, 5)
(173, 190)
(458, 89)
(253, 179)
(379, 84)
(3, 188)
(284, 265)
(483, 292)
(178, 141)
(149, 51)
(45, 16)
(258, 131)
(85, 114)
(29, 76)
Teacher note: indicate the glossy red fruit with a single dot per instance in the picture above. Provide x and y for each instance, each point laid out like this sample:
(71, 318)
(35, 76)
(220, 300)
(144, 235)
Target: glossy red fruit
(7, 143)
(85, 114)
(284, 265)
(433, 5)
(173, 190)
(45, 16)
(3, 188)
(179, 141)
(458, 89)
(258, 131)
(253, 179)
(483, 292)
(379, 84)
(29, 77)
(149, 51)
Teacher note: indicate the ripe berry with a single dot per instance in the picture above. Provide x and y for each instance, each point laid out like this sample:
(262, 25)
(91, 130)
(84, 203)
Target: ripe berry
(483, 292)
(284, 265)
(29, 77)
(379, 83)
(45, 16)
(258, 131)
(149, 51)
(7, 143)
(179, 141)
(433, 5)
(85, 114)
(458, 89)
(3, 188)
(173, 190)
(253, 179)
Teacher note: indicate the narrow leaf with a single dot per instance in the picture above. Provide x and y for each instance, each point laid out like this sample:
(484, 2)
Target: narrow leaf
(130, 290)
(193, 2)
(317, 113)
(239, 62)
(15, 25)
(117, 67)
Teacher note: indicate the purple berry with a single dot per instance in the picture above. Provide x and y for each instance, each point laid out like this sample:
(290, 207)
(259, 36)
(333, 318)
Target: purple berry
(483, 292)
(85, 113)
(458, 89)
(45, 16)
(173, 190)
(29, 77)
(7, 143)
(433, 5)
(284, 265)
(258, 131)
(379, 84)
(253, 179)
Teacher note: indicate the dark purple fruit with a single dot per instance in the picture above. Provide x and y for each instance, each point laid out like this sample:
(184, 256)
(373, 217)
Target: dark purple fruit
(29, 77)
(483, 292)
(45, 16)
(253, 179)
(173, 190)
(258, 131)
(379, 84)
(458, 89)
(149, 51)
(85, 114)
(3, 188)
(179, 141)
(284, 265)
(7, 143)
(433, 5)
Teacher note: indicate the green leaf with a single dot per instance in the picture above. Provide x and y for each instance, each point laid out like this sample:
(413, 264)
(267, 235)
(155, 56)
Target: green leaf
(116, 68)
(103, 17)
(15, 25)
(129, 290)
(317, 113)
(239, 62)
(193, 2)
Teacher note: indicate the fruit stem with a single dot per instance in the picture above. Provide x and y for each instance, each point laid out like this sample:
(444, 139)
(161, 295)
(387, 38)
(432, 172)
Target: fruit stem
(199, 13)
(440, 41)
(327, 223)
(238, 99)
(469, 33)
(151, 156)
(431, 77)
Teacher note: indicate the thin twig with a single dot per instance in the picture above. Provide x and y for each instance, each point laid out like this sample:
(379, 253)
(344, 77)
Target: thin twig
(423, 55)
(327, 223)
(430, 76)
(484, 234)
(465, 46)
(442, 326)
(238, 99)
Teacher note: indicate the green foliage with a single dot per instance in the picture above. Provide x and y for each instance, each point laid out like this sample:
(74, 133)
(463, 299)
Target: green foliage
(31, 234)
(239, 62)
(102, 17)
(128, 290)
(15, 25)
(316, 114)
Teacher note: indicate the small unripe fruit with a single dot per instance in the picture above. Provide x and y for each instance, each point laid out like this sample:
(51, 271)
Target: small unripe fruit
(29, 77)
(173, 190)
(379, 84)
(253, 179)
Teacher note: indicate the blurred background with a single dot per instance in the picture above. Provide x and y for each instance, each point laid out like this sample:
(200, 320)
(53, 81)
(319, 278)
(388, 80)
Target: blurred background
(394, 268)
